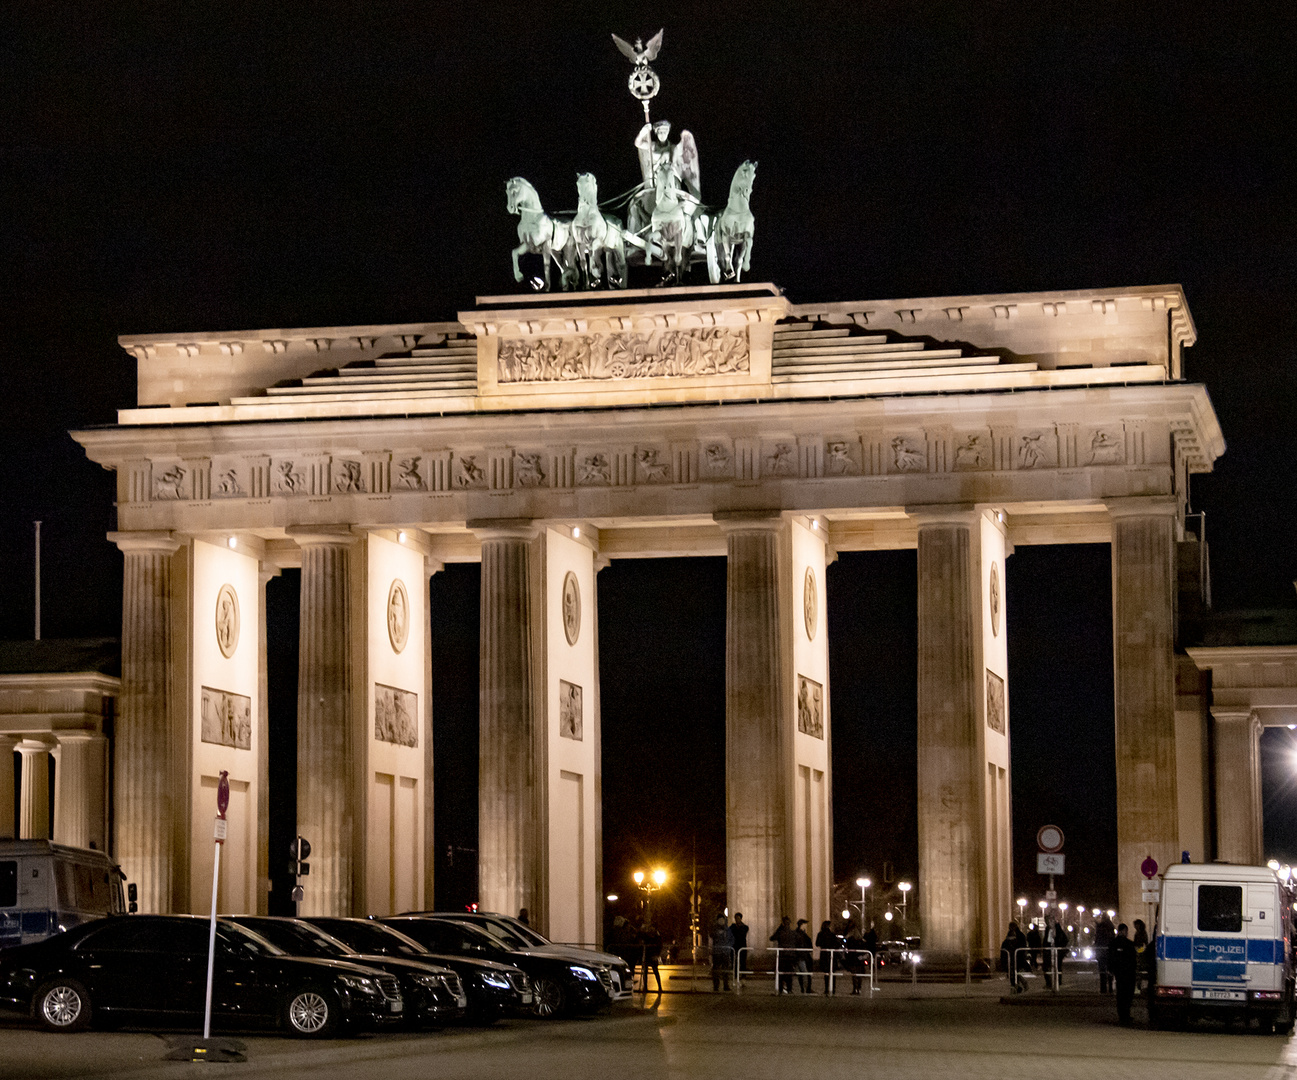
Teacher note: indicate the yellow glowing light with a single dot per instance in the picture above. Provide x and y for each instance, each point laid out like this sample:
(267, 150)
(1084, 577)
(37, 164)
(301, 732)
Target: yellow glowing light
(639, 877)
(659, 877)
(905, 886)
(401, 536)
(863, 882)
(888, 916)
(576, 532)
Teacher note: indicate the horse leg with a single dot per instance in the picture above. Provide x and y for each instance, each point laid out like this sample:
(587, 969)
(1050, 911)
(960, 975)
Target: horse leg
(521, 249)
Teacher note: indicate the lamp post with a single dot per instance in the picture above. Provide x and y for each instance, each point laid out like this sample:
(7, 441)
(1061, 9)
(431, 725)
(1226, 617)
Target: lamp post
(1022, 908)
(864, 884)
(905, 888)
(648, 884)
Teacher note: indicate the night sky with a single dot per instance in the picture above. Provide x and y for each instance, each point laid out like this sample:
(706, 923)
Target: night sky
(239, 166)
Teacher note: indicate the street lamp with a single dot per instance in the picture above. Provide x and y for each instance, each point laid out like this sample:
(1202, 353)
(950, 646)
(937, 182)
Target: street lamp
(648, 884)
(905, 888)
(1022, 908)
(864, 883)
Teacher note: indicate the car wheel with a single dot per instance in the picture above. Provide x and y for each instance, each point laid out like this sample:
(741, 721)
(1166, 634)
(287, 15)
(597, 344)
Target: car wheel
(551, 1002)
(310, 1013)
(62, 1005)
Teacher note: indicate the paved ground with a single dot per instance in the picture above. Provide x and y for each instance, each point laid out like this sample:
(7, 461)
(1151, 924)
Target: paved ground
(902, 1033)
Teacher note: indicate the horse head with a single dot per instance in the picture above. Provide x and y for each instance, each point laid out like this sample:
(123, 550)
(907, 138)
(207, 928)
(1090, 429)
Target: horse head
(521, 195)
(665, 184)
(587, 188)
(744, 177)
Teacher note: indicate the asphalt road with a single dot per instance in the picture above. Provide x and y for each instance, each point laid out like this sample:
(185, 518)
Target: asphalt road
(899, 1034)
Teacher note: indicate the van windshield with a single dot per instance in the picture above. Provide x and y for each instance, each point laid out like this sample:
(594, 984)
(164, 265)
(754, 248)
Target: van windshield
(82, 887)
(1220, 909)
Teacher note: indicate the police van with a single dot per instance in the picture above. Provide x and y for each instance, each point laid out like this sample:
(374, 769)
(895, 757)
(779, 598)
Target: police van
(46, 888)
(1224, 946)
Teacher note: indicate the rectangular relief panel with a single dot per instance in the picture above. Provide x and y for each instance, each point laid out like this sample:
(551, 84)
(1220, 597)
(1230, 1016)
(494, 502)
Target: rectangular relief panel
(226, 718)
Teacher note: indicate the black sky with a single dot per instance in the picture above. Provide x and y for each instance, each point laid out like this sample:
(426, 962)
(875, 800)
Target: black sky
(233, 166)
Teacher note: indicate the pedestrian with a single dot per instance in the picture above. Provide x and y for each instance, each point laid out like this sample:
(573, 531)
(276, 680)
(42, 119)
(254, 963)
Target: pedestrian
(804, 956)
(1104, 932)
(722, 953)
(784, 940)
(524, 917)
(1010, 957)
(1033, 943)
(854, 960)
(1123, 963)
(739, 940)
(651, 942)
(1143, 955)
(1056, 942)
(827, 942)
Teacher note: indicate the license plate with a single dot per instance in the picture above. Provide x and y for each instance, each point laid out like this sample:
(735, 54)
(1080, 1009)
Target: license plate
(526, 999)
(1220, 995)
(396, 1006)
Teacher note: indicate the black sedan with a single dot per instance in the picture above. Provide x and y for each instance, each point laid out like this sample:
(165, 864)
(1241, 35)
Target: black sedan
(561, 985)
(433, 994)
(494, 989)
(153, 968)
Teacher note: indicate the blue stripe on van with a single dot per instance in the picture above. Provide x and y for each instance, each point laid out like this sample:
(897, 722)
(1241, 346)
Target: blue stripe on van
(1174, 948)
(1219, 958)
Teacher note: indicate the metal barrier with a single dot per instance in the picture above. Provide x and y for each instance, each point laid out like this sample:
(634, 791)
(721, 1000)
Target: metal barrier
(1050, 964)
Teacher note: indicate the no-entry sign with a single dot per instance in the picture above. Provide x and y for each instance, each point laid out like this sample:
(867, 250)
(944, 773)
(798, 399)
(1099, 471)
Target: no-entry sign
(1050, 839)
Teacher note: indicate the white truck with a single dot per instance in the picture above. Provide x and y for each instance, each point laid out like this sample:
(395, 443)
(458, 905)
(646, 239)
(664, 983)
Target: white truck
(1224, 946)
(46, 888)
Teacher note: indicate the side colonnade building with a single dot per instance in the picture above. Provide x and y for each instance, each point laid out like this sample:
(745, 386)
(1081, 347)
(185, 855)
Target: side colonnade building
(544, 436)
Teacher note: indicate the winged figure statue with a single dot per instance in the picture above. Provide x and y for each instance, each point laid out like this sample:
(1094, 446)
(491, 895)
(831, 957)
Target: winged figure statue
(640, 54)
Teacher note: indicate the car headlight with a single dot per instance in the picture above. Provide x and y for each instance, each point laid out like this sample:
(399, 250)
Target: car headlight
(359, 983)
(429, 982)
(583, 973)
(491, 978)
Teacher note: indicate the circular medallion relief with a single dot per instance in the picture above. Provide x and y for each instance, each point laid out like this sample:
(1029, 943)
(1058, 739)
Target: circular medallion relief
(227, 620)
(571, 608)
(810, 604)
(398, 615)
(995, 599)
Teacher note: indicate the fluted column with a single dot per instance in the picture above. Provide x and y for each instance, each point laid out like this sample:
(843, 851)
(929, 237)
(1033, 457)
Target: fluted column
(79, 789)
(8, 824)
(34, 798)
(756, 739)
(325, 796)
(1236, 738)
(950, 864)
(1143, 638)
(264, 574)
(142, 759)
(508, 841)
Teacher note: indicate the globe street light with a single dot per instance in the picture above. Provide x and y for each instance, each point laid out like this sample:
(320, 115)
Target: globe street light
(648, 884)
(905, 888)
(864, 883)
(1022, 908)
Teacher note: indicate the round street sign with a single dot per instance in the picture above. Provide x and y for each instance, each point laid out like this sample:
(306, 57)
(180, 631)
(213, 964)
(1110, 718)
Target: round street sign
(223, 793)
(1148, 867)
(1050, 839)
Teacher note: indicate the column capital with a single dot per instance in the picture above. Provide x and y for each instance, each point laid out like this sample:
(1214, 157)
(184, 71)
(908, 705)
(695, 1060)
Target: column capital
(266, 571)
(35, 744)
(1227, 714)
(748, 520)
(947, 514)
(321, 535)
(503, 528)
(160, 540)
(1143, 506)
(78, 736)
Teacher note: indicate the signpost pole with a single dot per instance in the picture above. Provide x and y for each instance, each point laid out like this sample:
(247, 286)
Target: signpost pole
(222, 804)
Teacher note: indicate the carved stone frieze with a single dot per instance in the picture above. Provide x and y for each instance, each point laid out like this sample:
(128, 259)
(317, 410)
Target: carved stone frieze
(348, 477)
(716, 461)
(908, 453)
(779, 459)
(408, 474)
(651, 467)
(288, 478)
(470, 470)
(593, 468)
(1037, 449)
(1105, 446)
(170, 482)
(810, 707)
(841, 457)
(660, 354)
(972, 451)
(228, 483)
(529, 470)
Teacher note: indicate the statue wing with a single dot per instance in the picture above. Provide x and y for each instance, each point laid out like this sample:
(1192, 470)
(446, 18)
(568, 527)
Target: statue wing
(689, 163)
(627, 50)
(654, 46)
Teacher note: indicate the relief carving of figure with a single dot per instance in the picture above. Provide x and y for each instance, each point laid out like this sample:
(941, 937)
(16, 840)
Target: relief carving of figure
(668, 353)
(839, 461)
(229, 483)
(350, 479)
(1106, 449)
(527, 470)
(655, 471)
(289, 480)
(594, 469)
(782, 462)
(570, 721)
(470, 473)
(905, 459)
(408, 476)
(971, 453)
(718, 457)
(168, 485)
(1031, 451)
(810, 707)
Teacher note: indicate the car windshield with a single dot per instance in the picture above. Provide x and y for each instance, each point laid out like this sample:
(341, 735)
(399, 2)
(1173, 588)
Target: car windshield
(484, 935)
(238, 938)
(298, 939)
(514, 935)
(374, 938)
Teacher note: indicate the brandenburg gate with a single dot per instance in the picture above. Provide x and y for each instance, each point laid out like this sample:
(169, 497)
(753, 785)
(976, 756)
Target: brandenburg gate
(546, 435)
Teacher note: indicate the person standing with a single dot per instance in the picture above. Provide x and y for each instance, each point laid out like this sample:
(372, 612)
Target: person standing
(524, 916)
(855, 959)
(785, 940)
(804, 955)
(1011, 956)
(651, 941)
(1056, 942)
(1143, 954)
(827, 942)
(1104, 932)
(722, 954)
(1123, 962)
(739, 942)
(1033, 943)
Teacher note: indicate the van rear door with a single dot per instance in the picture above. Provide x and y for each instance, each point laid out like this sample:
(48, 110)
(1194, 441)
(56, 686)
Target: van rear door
(1219, 942)
(1265, 951)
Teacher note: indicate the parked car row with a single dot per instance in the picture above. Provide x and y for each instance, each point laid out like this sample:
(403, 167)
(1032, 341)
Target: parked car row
(309, 977)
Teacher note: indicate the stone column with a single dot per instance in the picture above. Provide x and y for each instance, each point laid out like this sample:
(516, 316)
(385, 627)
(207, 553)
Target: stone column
(142, 740)
(950, 850)
(8, 830)
(508, 840)
(756, 732)
(265, 572)
(79, 789)
(325, 758)
(1236, 736)
(1143, 639)
(34, 798)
